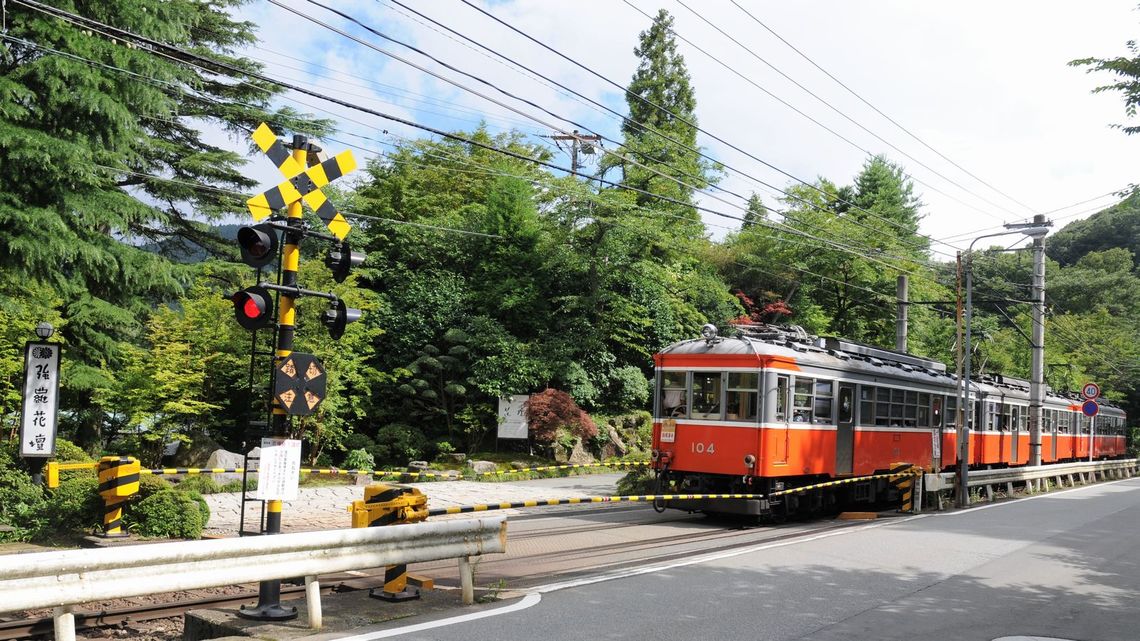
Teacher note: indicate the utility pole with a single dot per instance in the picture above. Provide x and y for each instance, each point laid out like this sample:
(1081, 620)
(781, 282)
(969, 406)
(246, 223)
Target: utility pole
(901, 314)
(1037, 380)
(577, 141)
(963, 435)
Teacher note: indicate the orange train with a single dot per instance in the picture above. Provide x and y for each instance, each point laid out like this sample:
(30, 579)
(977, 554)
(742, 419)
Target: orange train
(775, 408)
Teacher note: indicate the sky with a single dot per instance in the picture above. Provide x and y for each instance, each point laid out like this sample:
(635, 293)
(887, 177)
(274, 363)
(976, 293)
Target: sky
(985, 85)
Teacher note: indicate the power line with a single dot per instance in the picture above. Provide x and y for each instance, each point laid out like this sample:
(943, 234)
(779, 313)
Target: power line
(830, 106)
(876, 109)
(650, 103)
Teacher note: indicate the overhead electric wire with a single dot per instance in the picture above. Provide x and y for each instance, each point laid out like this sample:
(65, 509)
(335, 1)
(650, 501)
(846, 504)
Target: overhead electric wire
(515, 64)
(520, 112)
(877, 110)
(830, 106)
(650, 103)
(124, 34)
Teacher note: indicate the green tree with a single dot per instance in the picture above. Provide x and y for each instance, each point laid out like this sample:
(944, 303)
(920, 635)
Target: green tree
(86, 123)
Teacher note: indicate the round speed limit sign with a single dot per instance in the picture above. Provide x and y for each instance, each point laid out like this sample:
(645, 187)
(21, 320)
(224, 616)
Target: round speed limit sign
(1090, 390)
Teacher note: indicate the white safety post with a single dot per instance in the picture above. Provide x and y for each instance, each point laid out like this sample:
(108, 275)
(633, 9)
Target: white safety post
(313, 601)
(64, 623)
(467, 580)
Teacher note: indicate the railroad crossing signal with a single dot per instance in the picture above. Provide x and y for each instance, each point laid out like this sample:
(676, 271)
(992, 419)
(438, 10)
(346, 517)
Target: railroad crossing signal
(301, 184)
(258, 245)
(300, 383)
(253, 307)
(339, 315)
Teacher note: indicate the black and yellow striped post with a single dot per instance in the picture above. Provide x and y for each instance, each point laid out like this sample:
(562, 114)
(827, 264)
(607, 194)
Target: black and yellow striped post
(903, 479)
(118, 481)
(269, 606)
(391, 505)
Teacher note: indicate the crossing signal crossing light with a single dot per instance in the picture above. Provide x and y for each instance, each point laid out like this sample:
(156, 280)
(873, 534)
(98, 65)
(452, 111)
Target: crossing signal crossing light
(258, 244)
(253, 307)
(338, 316)
(341, 259)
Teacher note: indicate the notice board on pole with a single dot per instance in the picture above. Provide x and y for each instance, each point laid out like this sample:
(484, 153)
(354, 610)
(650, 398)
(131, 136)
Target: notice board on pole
(512, 416)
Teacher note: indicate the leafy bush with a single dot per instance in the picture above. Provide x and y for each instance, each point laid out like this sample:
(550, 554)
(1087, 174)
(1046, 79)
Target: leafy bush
(443, 447)
(199, 484)
(73, 506)
(396, 444)
(357, 441)
(359, 460)
(630, 388)
(170, 514)
(638, 481)
(21, 502)
(150, 484)
(68, 452)
(551, 409)
(235, 485)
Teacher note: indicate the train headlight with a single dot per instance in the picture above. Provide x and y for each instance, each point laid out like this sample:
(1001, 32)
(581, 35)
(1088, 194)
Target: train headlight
(654, 455)
(708, 331)
(750, 460)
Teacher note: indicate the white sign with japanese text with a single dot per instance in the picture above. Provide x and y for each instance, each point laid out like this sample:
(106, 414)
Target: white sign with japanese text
(41, 399)
(279, 469)
(512, 416)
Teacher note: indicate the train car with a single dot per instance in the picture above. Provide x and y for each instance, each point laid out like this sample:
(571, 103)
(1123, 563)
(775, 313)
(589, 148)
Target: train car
(775, 408)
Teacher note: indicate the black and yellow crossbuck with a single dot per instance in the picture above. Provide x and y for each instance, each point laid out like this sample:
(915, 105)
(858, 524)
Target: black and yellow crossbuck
(302, 184)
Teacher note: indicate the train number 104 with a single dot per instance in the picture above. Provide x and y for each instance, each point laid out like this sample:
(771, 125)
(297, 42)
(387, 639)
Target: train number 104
(703, 448)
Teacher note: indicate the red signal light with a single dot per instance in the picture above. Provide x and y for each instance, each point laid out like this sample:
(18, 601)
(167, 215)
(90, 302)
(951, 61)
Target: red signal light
(253, 307)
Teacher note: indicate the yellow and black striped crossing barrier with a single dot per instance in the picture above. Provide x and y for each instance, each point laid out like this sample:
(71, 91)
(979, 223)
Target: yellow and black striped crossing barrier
(54, 468)
(904, 476)
(118, 481)
(391, 505)
(642, 498)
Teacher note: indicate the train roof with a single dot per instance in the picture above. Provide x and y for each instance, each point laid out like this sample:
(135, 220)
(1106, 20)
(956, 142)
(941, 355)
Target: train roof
(793, 343)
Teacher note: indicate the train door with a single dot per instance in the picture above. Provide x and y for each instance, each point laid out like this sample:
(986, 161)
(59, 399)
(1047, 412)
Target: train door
(783, 415)
(845, 429)
(1015, 432)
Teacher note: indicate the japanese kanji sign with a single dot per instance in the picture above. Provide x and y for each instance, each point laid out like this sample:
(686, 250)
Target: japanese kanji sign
(512, 416)
(279, 469)
(301, 184)
(299, 383)
(41, 399)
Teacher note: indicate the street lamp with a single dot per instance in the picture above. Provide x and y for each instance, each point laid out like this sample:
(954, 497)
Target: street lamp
(1035, 230)
(44, 330)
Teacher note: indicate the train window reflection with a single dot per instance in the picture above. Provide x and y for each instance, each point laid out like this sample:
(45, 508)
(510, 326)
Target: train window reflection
(673, 388)
(742, 396)
(706, 395)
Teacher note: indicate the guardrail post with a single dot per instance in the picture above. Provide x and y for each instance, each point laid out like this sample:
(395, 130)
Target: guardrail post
(391, 505)
(467, 579)
(118, 481)
(313, 602)
(64, 623)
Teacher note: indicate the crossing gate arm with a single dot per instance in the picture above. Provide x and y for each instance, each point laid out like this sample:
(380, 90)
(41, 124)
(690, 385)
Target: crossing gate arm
(63, 579)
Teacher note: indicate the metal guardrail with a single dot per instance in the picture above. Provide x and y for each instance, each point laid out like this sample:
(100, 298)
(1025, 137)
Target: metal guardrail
(987, 478)
(60, 580)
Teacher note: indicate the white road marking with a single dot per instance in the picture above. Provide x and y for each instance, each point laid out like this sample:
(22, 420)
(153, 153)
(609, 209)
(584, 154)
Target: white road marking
(527, 601)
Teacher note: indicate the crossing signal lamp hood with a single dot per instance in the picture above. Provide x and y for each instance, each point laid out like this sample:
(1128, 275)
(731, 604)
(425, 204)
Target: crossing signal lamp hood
(253, 307)
(258, 244)
(338, 316)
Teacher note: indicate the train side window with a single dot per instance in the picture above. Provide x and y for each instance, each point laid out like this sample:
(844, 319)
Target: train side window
(991, 416)
(866, 404)
(782, 398)
(898, 407)
(742, 396)
(951, 411)
(824, 392)
(673, 388)
(882, 406)
(1003, 421)
(1023, 420)
(802, 400)
(1047, 420)
(706, 394)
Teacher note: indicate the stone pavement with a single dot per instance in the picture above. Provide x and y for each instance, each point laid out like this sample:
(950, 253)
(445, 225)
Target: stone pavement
(326, 508)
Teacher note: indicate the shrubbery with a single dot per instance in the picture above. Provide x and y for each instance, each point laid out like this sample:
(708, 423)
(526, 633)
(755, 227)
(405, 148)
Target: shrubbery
(171, 514)
(199, 484)
(551, 409)
(359, 460)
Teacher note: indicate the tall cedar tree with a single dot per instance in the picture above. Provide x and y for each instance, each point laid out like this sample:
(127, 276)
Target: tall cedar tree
(662, 109)
(84, 121)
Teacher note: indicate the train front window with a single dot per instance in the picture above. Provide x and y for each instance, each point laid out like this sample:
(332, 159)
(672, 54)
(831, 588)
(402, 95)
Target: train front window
(673, 404)
(743, 390)
(706, 395)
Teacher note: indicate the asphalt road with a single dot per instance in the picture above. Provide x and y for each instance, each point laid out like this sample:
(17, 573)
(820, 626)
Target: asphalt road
(1064, 565)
